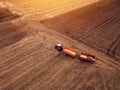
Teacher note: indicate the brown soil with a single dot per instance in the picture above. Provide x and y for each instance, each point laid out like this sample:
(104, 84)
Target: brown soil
(6, 15)
(28, 60)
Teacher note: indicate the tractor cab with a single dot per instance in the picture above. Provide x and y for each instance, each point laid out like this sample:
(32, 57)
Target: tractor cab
(59, 47)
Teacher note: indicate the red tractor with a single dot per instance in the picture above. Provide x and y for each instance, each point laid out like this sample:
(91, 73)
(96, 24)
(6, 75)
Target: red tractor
(73, 53)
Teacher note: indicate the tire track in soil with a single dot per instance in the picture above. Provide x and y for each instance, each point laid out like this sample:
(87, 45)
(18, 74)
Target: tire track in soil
(116, 46)
(113, 47)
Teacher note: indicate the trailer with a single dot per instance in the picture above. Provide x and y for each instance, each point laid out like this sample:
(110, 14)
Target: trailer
(69, 52)
(87, 57)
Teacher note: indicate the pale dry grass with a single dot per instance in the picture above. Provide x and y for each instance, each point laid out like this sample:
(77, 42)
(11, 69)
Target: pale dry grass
(45, 9)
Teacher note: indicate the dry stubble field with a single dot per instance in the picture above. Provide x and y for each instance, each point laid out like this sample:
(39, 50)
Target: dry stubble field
(28, 60)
